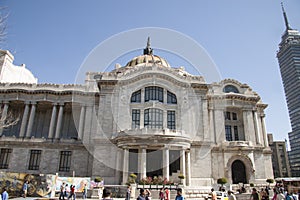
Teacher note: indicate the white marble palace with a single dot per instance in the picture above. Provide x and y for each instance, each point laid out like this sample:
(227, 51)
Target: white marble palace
(146, 118)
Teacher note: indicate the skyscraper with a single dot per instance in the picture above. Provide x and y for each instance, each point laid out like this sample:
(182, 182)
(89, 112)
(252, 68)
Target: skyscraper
(289, 62)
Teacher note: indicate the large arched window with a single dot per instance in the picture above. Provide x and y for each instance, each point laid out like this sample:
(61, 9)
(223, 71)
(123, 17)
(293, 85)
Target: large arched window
(171, 98)
(136, 97)
(230, 88)
(154, 93)
(153, 118)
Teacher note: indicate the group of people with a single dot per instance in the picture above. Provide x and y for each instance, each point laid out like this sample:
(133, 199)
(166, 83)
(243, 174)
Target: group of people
(230, 193)
(67, 192)
(279, 194)
(164, 194)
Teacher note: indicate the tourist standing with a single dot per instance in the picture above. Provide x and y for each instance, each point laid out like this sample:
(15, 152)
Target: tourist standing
(25, 189)
(213, 194)
(280, 196)
(84, 191)
(106, 194)
(231, 196)
(167, 194)
(128, 192)
(254, 195)
(4, 194)
(179, 194)
(62, 191)
(72, 192)
(161, 194)
(142, 195)
(147, 194)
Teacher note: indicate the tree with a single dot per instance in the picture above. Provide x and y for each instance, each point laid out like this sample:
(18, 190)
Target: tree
(222, 181)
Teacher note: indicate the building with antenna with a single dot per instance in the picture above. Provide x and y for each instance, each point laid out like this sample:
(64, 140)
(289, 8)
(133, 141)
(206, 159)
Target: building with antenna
(289, 62)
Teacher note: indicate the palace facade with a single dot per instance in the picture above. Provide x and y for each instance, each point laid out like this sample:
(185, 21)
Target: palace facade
(146, 118)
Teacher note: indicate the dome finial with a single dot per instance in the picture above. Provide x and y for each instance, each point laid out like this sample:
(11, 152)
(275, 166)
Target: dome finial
(285, 18)
(148, 50)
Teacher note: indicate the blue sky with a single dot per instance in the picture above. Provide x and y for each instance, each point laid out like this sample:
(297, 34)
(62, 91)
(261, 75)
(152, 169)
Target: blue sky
(54, 37)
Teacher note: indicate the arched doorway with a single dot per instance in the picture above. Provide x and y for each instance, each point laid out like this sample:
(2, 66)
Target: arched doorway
(238, 170)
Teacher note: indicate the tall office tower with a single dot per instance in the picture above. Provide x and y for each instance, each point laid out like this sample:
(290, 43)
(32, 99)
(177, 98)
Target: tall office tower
(289, 62)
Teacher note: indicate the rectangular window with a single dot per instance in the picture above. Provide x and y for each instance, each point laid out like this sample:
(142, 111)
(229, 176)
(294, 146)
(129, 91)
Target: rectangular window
(4, 158)
(135, 118)
(228, 133)
(35, 158)
(65, 161)
(236, 133)
(227, 115)
(171, 120)
(234, 116)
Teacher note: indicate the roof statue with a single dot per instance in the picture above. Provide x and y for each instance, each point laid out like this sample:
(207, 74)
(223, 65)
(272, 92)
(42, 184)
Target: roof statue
(148, 50)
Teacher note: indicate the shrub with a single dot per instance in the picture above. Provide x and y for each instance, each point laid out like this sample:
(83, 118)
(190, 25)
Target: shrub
(251, 184)
(269, 180)
(98, 179)
(222, 181)
(181, 176)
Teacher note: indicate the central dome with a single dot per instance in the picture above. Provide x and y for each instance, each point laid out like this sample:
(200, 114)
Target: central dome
(145, 59)
(148, 58)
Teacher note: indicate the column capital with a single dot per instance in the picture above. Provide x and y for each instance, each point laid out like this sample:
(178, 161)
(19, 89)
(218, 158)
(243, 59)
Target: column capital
(33, 102)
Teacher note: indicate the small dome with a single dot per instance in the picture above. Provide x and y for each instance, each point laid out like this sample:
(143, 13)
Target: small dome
(145, 59)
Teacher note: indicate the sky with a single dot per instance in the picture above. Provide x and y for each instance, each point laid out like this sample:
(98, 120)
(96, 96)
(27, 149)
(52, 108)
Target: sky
(53, 38)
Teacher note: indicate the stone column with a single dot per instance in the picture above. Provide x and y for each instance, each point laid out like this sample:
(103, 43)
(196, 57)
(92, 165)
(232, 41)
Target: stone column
(165, 120)
(31, 119)
(166, 169)
(264, 131)
(143, 162)
(248, 126)
(182, 165)
(142, 119)
(219, 125)
(188, 167)
(24, 120)
(52, 121)
(81, 122)
(257, 128)
(125, 165)
(118, 166)
(59, 121)
(3, 116)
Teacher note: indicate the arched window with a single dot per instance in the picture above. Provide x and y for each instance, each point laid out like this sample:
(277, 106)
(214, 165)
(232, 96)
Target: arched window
(154, 93)
(171, 98)
(230, 88)
(136, 97)
(153, 118)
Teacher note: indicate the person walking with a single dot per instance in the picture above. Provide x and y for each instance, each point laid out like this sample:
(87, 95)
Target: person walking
(4, 194)
(213, 194)
(106, 194)
(25, 188)
(231, 196)
(179, 194)
(128, 192)
(147, 194)
(254, 195)
(161, 194)
(62, 191)
(72, 192)
(167, 194)
(84, 191)
(142, 195)
(280, 196)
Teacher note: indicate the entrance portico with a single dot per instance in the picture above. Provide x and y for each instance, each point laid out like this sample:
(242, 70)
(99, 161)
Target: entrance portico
(150, 151)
